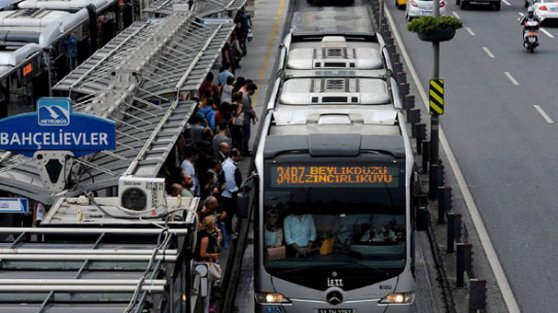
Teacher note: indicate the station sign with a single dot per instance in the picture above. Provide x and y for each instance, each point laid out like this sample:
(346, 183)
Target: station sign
(55, 127)
(14, 205)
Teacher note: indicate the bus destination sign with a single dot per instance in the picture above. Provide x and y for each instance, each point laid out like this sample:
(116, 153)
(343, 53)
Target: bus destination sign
(371, 176)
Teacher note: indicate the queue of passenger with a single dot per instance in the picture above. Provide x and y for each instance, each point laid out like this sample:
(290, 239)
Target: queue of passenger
(214, 141)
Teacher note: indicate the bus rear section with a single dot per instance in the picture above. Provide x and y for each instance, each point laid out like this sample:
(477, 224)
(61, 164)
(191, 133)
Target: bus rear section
(334, 232)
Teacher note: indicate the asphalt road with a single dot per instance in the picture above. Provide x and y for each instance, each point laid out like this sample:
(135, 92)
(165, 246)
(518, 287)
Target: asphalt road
(500, 112)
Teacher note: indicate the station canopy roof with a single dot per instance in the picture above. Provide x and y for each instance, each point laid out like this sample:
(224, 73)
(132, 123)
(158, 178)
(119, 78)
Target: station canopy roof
(201, 8)
(140, 80)
(87, 270)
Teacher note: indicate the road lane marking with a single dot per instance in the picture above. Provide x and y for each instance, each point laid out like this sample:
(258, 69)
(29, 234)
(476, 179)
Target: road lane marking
(269, 49)
(506, 3)
(455, 14)
(493, 259)
(546, 33)
(488, 52)
(544, 115)
(470, 31)
(510, 77)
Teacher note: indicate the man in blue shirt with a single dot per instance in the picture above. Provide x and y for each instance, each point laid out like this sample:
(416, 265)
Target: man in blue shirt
(230, 190)
(226, 71)
(300, 233)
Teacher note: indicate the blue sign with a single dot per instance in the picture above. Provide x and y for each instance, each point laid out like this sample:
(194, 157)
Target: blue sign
(14, 205)
(55, 127)
(54, 112)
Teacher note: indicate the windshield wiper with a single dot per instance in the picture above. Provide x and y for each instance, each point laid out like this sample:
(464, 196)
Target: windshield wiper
(293, 270)
(340, 265)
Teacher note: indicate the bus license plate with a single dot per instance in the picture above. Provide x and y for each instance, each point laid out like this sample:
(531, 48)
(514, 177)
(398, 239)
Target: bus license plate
(335, 310)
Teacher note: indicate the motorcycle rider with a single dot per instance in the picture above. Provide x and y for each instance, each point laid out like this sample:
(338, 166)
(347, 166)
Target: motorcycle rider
(530, 16)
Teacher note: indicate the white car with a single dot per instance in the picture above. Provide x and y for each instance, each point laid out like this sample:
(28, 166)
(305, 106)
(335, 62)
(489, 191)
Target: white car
(418, 8)
(546, 9)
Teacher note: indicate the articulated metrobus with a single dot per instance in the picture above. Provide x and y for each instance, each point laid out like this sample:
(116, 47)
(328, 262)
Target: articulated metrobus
(334, 229)
(347, 176)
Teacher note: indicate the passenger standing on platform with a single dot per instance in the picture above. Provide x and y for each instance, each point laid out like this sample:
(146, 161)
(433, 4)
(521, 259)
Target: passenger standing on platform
(208, 86)
(226, 94)
(238, 83)
(237, 124)
(207, 249)
(247, 91)
(216, 171)
(221, 136)
(224, 151)
(244, 24)
(39, 214)
(236, 50)
(188, 168)
(226, 71)
(229, 194)
(207, 108)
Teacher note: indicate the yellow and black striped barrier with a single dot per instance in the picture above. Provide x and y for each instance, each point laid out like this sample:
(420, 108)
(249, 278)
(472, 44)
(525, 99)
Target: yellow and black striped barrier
(436, 96)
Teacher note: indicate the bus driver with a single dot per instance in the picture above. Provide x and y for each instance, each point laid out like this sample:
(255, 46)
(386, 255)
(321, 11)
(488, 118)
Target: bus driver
(300, 234)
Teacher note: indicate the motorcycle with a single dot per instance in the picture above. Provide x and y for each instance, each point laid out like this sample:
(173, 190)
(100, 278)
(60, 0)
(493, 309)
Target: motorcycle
(531, 35)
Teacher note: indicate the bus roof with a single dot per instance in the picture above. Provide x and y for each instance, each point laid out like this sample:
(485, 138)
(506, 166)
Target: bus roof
(288, 128)
(12, 59)
(38, 26)
(67, 5)
(335, 52)
(339, 90)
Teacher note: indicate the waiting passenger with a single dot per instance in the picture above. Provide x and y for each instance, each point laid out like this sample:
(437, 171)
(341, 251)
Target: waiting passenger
(300, 234)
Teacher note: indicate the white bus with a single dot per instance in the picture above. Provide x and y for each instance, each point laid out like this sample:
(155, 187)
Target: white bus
(352, 175)
(334, 229)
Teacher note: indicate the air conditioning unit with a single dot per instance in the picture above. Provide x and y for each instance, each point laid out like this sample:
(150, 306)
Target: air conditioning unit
(141, 193)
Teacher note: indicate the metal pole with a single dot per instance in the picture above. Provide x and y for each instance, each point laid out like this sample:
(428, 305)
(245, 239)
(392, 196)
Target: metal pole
(451, 233)
(85, 251)
(380, 17)
(460, 266)
(131, 231)
(46, 57)
(434, 121)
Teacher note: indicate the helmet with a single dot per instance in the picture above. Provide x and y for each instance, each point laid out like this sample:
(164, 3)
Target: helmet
(530, 11)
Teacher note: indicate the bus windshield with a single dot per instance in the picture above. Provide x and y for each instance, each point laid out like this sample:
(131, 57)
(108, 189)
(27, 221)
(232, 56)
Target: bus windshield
(354, 225)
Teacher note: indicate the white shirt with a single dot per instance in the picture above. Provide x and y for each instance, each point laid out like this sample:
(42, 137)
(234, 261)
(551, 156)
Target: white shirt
(299, 231)
(189, 169)
(229, 167)
(226, 94)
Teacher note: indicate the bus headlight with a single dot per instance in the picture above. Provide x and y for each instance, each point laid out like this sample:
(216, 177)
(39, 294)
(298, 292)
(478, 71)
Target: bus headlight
(271, 298)
(398, 298)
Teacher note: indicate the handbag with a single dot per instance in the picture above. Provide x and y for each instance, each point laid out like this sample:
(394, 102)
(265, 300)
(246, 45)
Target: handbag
(327, 246)
(277, 253)
(213, 271)
(239, 120)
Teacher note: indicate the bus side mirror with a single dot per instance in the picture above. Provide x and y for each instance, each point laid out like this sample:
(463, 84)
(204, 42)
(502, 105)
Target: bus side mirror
(243, 196)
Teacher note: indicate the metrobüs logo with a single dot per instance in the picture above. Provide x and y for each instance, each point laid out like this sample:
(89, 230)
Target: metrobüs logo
(54, 112)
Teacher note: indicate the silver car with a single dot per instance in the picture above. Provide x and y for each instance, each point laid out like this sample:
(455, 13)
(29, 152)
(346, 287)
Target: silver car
(418, 8)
